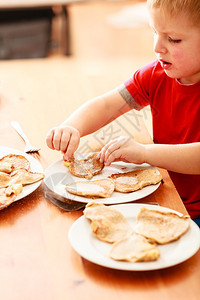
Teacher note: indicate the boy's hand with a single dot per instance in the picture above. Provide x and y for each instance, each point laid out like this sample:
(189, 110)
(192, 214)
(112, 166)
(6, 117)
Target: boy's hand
(63, 138)
(122, 148)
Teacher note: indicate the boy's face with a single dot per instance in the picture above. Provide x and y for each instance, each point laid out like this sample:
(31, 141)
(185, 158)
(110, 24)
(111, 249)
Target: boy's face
(177, 46)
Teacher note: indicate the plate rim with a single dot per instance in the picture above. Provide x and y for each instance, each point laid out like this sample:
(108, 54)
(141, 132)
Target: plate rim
(128, 266)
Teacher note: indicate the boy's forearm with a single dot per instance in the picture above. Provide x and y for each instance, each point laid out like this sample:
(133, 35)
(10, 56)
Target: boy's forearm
(86, 119)
(184, 158)
(97, 113)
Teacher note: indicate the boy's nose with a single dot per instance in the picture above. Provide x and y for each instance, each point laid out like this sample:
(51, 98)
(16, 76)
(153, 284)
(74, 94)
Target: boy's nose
(158, 46)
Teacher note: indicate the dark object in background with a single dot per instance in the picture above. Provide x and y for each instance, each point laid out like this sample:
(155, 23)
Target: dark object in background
(25, 33)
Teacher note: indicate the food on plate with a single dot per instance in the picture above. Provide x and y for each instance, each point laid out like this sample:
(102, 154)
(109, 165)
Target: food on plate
(161, 227)
(14, 174)
(135, 180)
(125, 182)
(14, 189)
(87, 167)
(6, 167)
(8, 195)
(25, 177)
(137, 244)
(19, 176)
(134, 248)
(107, 223)
(14, 161)
(92, 188)
(4, 179)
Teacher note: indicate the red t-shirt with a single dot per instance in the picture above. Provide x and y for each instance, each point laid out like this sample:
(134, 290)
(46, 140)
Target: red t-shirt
(176, 120)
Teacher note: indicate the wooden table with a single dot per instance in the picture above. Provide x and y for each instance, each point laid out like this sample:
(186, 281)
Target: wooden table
(36, 258)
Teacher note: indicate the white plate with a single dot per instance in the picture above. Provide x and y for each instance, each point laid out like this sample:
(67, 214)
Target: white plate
(88, 246)
(57, 176)
(35, 166)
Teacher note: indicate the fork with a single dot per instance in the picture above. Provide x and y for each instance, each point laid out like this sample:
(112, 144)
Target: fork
(28, 147)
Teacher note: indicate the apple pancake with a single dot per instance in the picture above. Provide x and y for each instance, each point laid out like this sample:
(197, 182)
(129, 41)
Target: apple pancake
(19, 176)
(92, 188)
(86, 168)
(107, 223)
(25, 177)
(4, 179)
(6, 167)
(14, 174)
(14, 161)
(134, 248)
(161, 227)
(8, 195)
(135, 180)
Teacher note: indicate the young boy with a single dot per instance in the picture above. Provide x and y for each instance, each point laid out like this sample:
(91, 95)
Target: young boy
(171, 86)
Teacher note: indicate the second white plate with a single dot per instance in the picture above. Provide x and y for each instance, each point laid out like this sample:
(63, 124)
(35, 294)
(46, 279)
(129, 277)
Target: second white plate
(88, 246)
(57, 176)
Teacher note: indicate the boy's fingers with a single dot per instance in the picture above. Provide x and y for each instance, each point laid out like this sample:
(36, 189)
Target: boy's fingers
(64, 141)
(72, 146)
(57, 139)
(49, 139)
(103, 151)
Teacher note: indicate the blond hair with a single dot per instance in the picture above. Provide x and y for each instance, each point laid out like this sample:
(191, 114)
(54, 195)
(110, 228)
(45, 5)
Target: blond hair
(173, 7)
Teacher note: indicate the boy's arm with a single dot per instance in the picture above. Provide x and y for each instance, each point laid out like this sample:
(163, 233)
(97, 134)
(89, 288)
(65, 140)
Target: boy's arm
(97, 113)
(184, 158)
(87, 119)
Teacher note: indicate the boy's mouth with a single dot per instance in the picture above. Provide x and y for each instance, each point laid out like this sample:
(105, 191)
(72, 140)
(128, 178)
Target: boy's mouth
(165, 64)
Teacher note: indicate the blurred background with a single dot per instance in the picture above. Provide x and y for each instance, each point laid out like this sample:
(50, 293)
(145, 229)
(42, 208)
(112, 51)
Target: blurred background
(39, 28)
(55, 53)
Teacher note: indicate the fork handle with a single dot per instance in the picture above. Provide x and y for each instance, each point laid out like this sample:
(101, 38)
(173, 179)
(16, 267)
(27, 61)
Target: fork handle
(19, 130)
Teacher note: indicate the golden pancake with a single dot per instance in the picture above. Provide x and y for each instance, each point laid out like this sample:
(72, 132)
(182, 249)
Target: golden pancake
(161, 227)
(6, 167)
(87, 167)
(135, 180)
(14, 175)
(19, 176)
(134, 248)
(107, 223)
(92, 188)
(4, 179)
(25, 177)
(8, 195)
(16, 161)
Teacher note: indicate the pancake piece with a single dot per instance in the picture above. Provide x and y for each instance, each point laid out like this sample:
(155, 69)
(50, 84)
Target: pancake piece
(134, 248)
(161, 227)
(86, 168)
(107, 223)
(135, 180)
(4, 179)
(25, 177)
(14, 189)
(16, 161)
(19, 176)
(14, 175)
(6, 167)
(92, 188)
(8, 195)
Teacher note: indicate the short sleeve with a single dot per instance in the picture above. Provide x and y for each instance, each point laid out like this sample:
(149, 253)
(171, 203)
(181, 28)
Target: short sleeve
(139, 85)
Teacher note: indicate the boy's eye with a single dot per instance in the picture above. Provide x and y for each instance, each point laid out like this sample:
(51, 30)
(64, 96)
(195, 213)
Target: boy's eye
(173, 41)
